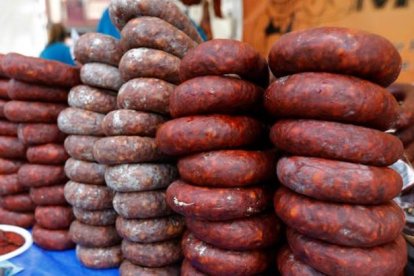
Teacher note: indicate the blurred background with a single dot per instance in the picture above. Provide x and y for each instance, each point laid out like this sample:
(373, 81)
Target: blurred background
(258, 22)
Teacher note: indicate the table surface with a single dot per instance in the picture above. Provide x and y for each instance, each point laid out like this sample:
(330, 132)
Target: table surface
(38, 262)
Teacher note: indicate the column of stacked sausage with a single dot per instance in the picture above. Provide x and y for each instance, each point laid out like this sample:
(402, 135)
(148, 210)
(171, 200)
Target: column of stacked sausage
(16, 207)
(224, 191)
(39, 92)
(153, 42)
(338, 190)
(404, 93)
(98, 244)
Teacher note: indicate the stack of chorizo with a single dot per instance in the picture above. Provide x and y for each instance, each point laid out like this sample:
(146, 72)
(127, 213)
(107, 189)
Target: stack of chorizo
(39, 90)
(404, 93)
(93, 231)
(16, 207)
(225, 186)
(333, 109)
(155, 35)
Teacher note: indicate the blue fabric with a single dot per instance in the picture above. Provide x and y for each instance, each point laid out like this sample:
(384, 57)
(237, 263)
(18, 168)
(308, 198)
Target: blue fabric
(200, 31)
(105, 26)
(58, 51)
(40, 262)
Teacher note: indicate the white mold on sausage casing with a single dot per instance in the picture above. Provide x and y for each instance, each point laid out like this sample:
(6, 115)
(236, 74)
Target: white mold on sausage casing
(181, 203)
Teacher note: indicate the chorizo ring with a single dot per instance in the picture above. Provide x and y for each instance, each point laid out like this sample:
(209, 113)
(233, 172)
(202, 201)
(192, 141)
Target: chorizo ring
(341, 224)
(204, 133)
(337, 181)
(332, 97)
(227, 168)
(39, 71)
(214, 94)
(217, 204)
(336, 141)
(384, 260)
(336, 50)
(121, 11)
(225, 56)
(155, 33)
(216, 261)
(97, 47)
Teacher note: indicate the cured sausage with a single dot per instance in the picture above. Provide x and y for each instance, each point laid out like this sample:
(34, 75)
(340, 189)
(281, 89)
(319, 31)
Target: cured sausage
(54, 217)
(32, 112)
(9, 166)
(337, 50)
(404, 93)
(214, 94)
(97, 47)
(49, 195)
(2, 73)
(101, 75)
(49, 154)
(81, 147)
(384, 260)
(8, 128)
(17, 203)
(122, 11)
(92, 99)
(9, 184)
(89, 197)
(155, 33)
(227, 168)
(85, 172)
(52, 239)
(332, 97)
(217, 204)
(4, 87)
(336, 141)
(11, 147)
(93, 236)
(131, 122)
(140, 177)
(40, 71)
(126, 149)
(342, 224)
(2, 105)
(141, 205)
(77, 121)
(204, 133)
(34, 175)
(99, 258)
(225, 56)
(37, 134)
(149, 63)
(156, 254)
(243, 234)
(150, 230)
(289, 265)
(22, 91)
(146, 94)
(188, 270)
(338, 181)
(129, 269)
(98, 218)
(406, 135)
(216, 261)
(24, 220)
(409, 152)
